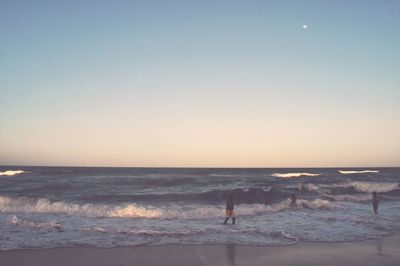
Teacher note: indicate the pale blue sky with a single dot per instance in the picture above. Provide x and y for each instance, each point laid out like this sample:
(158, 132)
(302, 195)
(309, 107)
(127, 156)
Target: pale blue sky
(200, 83)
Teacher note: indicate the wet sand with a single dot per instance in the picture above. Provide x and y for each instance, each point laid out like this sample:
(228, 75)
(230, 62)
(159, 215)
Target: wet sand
(371, 252)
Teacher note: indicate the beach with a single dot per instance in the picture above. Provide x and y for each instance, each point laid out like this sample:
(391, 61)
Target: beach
(370, 252)
(199, 133)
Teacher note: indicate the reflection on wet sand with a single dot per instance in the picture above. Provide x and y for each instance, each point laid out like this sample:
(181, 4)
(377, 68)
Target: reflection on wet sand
(379, 246)
(231, 254)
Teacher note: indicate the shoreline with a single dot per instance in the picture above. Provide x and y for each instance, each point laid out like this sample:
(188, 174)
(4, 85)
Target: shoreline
(381, 251)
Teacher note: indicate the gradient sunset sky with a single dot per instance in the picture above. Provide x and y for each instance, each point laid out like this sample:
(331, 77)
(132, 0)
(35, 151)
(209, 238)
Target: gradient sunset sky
(200, 83)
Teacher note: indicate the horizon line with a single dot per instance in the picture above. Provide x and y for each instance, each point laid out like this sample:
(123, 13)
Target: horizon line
(202, 167)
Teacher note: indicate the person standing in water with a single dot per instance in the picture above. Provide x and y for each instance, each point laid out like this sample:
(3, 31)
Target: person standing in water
(375, 202)
(229, 210)
(293, 202)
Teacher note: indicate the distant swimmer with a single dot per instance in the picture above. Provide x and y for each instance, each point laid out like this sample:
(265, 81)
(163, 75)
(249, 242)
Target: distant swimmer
(230, 203)
(375, 202)
(293, 202)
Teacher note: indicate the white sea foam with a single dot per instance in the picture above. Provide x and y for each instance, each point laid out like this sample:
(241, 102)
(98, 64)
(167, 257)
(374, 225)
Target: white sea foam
(16, 221)
(360, 186)
(346, 172)
(317, 204)
(290, 175)
(311, 187)
(353, 198)
(12, 172)
(42, 205)
(375, 186)
(284, 234)
(96, 229)
(366, 186)
(133, 210)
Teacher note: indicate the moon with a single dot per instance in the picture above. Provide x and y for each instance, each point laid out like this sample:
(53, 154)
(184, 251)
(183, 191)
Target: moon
(305, 26)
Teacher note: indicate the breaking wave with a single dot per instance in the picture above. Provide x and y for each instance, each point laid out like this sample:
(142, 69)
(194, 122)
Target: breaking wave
(345, 172)
(352, 198)
(42, 205)
(358, 186)
(12, 172)
(374, 186)
(290, 175)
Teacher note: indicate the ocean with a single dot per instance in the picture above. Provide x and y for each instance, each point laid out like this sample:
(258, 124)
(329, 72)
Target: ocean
(45, 207)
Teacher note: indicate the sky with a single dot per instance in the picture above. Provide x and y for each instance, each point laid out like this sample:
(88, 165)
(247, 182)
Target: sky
(200, 83)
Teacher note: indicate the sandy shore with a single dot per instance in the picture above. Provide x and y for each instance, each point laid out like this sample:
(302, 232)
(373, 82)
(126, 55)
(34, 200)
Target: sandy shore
(372, 252)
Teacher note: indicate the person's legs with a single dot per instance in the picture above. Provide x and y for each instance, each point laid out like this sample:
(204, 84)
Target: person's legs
(233, 219)
(226, 220)
(228, 213)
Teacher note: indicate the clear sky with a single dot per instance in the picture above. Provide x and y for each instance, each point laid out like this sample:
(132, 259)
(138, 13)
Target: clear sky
(200, 83)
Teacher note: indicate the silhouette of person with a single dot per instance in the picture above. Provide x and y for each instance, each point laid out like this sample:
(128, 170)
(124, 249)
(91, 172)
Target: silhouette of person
(229, 209)
(293, 202)
(375, 202)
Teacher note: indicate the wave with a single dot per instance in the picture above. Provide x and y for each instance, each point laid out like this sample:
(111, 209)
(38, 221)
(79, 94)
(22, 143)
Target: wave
(290, 175)
(42, 205)
(316, 204)
(95, 229)
(375, 186)
(358, 186)
(307, 186)
(346, 172)
(352, 198)
(250, 195)
(34, 224)
(12, 172)
(220, 175)
(204, 212)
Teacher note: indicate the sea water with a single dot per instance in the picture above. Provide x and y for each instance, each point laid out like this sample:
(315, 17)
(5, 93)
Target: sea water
(43, 207)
